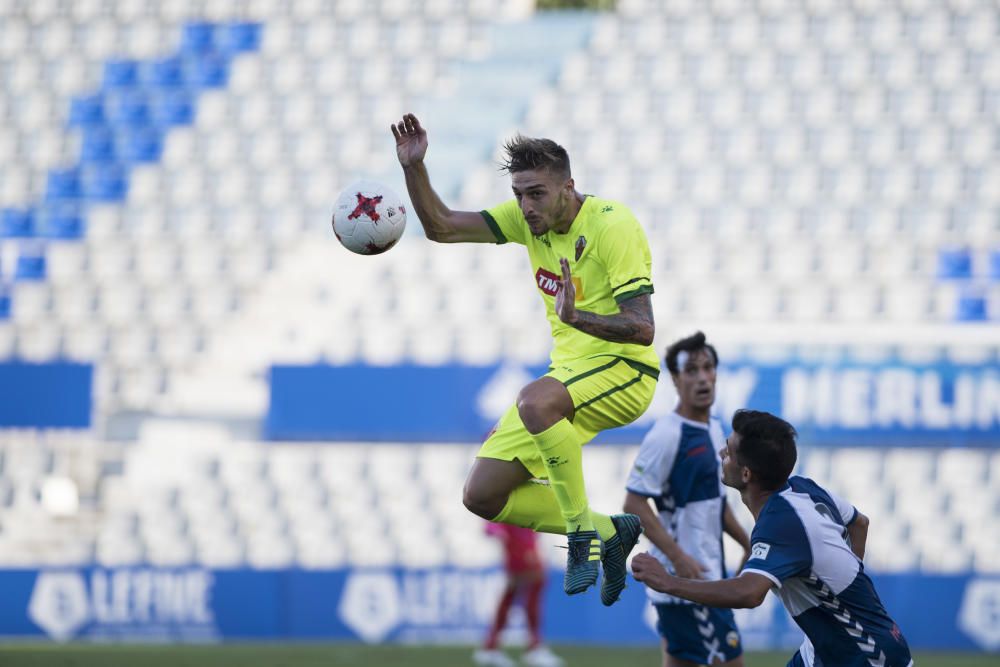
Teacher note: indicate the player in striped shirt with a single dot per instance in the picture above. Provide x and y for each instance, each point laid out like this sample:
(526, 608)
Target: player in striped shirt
(677, 471)
(807, 545)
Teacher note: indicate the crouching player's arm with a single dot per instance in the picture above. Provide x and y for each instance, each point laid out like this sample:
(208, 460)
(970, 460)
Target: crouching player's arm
(745, 591)
(857, 533)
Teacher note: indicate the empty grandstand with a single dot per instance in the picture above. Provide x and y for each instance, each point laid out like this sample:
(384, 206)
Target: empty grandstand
(819, 181)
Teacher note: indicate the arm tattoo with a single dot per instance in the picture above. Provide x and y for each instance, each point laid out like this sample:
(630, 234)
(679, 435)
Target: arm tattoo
(632, 324)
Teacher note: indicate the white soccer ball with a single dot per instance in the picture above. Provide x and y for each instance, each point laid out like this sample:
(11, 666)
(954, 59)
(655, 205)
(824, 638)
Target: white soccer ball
(368, 218)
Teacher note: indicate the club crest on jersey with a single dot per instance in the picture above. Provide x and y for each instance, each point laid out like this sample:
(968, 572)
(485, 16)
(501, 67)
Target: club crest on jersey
(760, 551)
(581, 243)
(547, 281)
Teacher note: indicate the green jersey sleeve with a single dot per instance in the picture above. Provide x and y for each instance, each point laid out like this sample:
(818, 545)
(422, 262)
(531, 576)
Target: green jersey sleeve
(506, 221)
(625, 252)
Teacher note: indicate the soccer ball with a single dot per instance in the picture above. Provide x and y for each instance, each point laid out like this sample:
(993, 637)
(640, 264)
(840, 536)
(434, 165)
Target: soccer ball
(368, 218)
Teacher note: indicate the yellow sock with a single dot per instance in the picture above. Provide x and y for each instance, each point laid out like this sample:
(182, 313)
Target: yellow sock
(562, 453)
(603, 525)
(533, 505)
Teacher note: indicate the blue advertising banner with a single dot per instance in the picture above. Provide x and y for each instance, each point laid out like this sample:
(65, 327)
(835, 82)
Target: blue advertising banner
(51, 395)
(830, 404)
(444, 605)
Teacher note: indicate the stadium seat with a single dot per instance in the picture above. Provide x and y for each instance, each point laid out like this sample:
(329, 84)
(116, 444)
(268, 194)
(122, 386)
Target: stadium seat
(87, 110)
(6, 339)
(98, 146)
(955, 263)
(993, 263)
(120, 74)
(165, 73)
(17, 224)
(172, 107)
(140, 145)
(62, 221)
(207, 72)
(971, 306)
(127, 108)
(198, 37)
(238, 37)
(30, 263)
(63, 184)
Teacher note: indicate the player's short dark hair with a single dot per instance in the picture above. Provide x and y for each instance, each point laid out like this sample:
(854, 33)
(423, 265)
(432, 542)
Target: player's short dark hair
(767, 446)
(689, 345)
(524, 153)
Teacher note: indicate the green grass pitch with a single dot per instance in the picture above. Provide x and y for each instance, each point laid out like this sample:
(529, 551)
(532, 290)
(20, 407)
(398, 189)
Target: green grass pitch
(351, 655)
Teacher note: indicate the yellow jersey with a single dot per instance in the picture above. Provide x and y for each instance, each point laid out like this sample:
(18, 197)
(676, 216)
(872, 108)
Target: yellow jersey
(609, 260)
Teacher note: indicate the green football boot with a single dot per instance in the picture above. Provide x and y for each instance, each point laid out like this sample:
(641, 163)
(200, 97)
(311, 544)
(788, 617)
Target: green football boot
(583, 561)
(616, 551)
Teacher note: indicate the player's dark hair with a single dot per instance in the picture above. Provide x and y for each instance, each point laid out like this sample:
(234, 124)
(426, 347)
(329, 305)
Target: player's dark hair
(524, 153)
(690, 344)
(767, 447)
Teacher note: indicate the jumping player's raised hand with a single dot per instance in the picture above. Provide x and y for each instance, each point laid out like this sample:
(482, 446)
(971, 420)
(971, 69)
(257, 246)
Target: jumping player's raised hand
(411, 140)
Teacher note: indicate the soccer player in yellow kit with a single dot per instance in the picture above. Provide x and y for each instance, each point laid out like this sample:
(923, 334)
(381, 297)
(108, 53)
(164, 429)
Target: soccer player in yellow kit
(591, 264)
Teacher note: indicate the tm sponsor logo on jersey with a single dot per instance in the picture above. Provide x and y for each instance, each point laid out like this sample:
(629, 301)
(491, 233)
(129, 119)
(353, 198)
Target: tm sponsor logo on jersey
(547, 281)
(760, 551)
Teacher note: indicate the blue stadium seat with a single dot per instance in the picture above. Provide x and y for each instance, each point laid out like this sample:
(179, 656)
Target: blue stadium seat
(198, 37)
(209, 71)
(971, 307)
(994, 264)
(171, 108)
(141, 144)
(162, 72)
(104, 182)
(238, 37)
(62, 184)
(30, 264)
(61, 221)
(17, 223)
(954, 263)
(127, 108)
(98, 145)
(86, 110)
(121, 74)
(4, 303)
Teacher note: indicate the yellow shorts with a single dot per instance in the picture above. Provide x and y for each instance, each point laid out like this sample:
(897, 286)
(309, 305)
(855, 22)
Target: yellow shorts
(607, 392)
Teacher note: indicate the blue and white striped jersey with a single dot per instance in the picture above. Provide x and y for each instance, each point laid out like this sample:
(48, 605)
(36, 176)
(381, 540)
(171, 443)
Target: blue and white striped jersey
(800, 544)
(678, 467)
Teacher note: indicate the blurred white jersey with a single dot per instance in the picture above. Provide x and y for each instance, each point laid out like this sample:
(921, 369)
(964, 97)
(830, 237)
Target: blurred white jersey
(678, 467)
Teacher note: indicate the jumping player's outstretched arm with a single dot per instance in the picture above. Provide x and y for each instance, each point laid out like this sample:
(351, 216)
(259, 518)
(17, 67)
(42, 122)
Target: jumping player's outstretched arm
(744, 592)
(440, 223)
(633, 323)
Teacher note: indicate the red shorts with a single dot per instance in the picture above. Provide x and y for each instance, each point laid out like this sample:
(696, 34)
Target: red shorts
(520, 547)
(522, 561)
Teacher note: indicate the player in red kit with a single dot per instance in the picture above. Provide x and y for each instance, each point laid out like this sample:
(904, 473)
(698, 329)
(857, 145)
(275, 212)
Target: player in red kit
(525, 580)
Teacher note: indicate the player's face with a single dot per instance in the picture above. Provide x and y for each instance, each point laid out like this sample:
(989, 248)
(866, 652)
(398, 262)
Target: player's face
(695, 379)
(544, 198)
(732, 472)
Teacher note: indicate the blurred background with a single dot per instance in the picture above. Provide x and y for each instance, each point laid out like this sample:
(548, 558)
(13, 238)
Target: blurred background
(216, 424)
